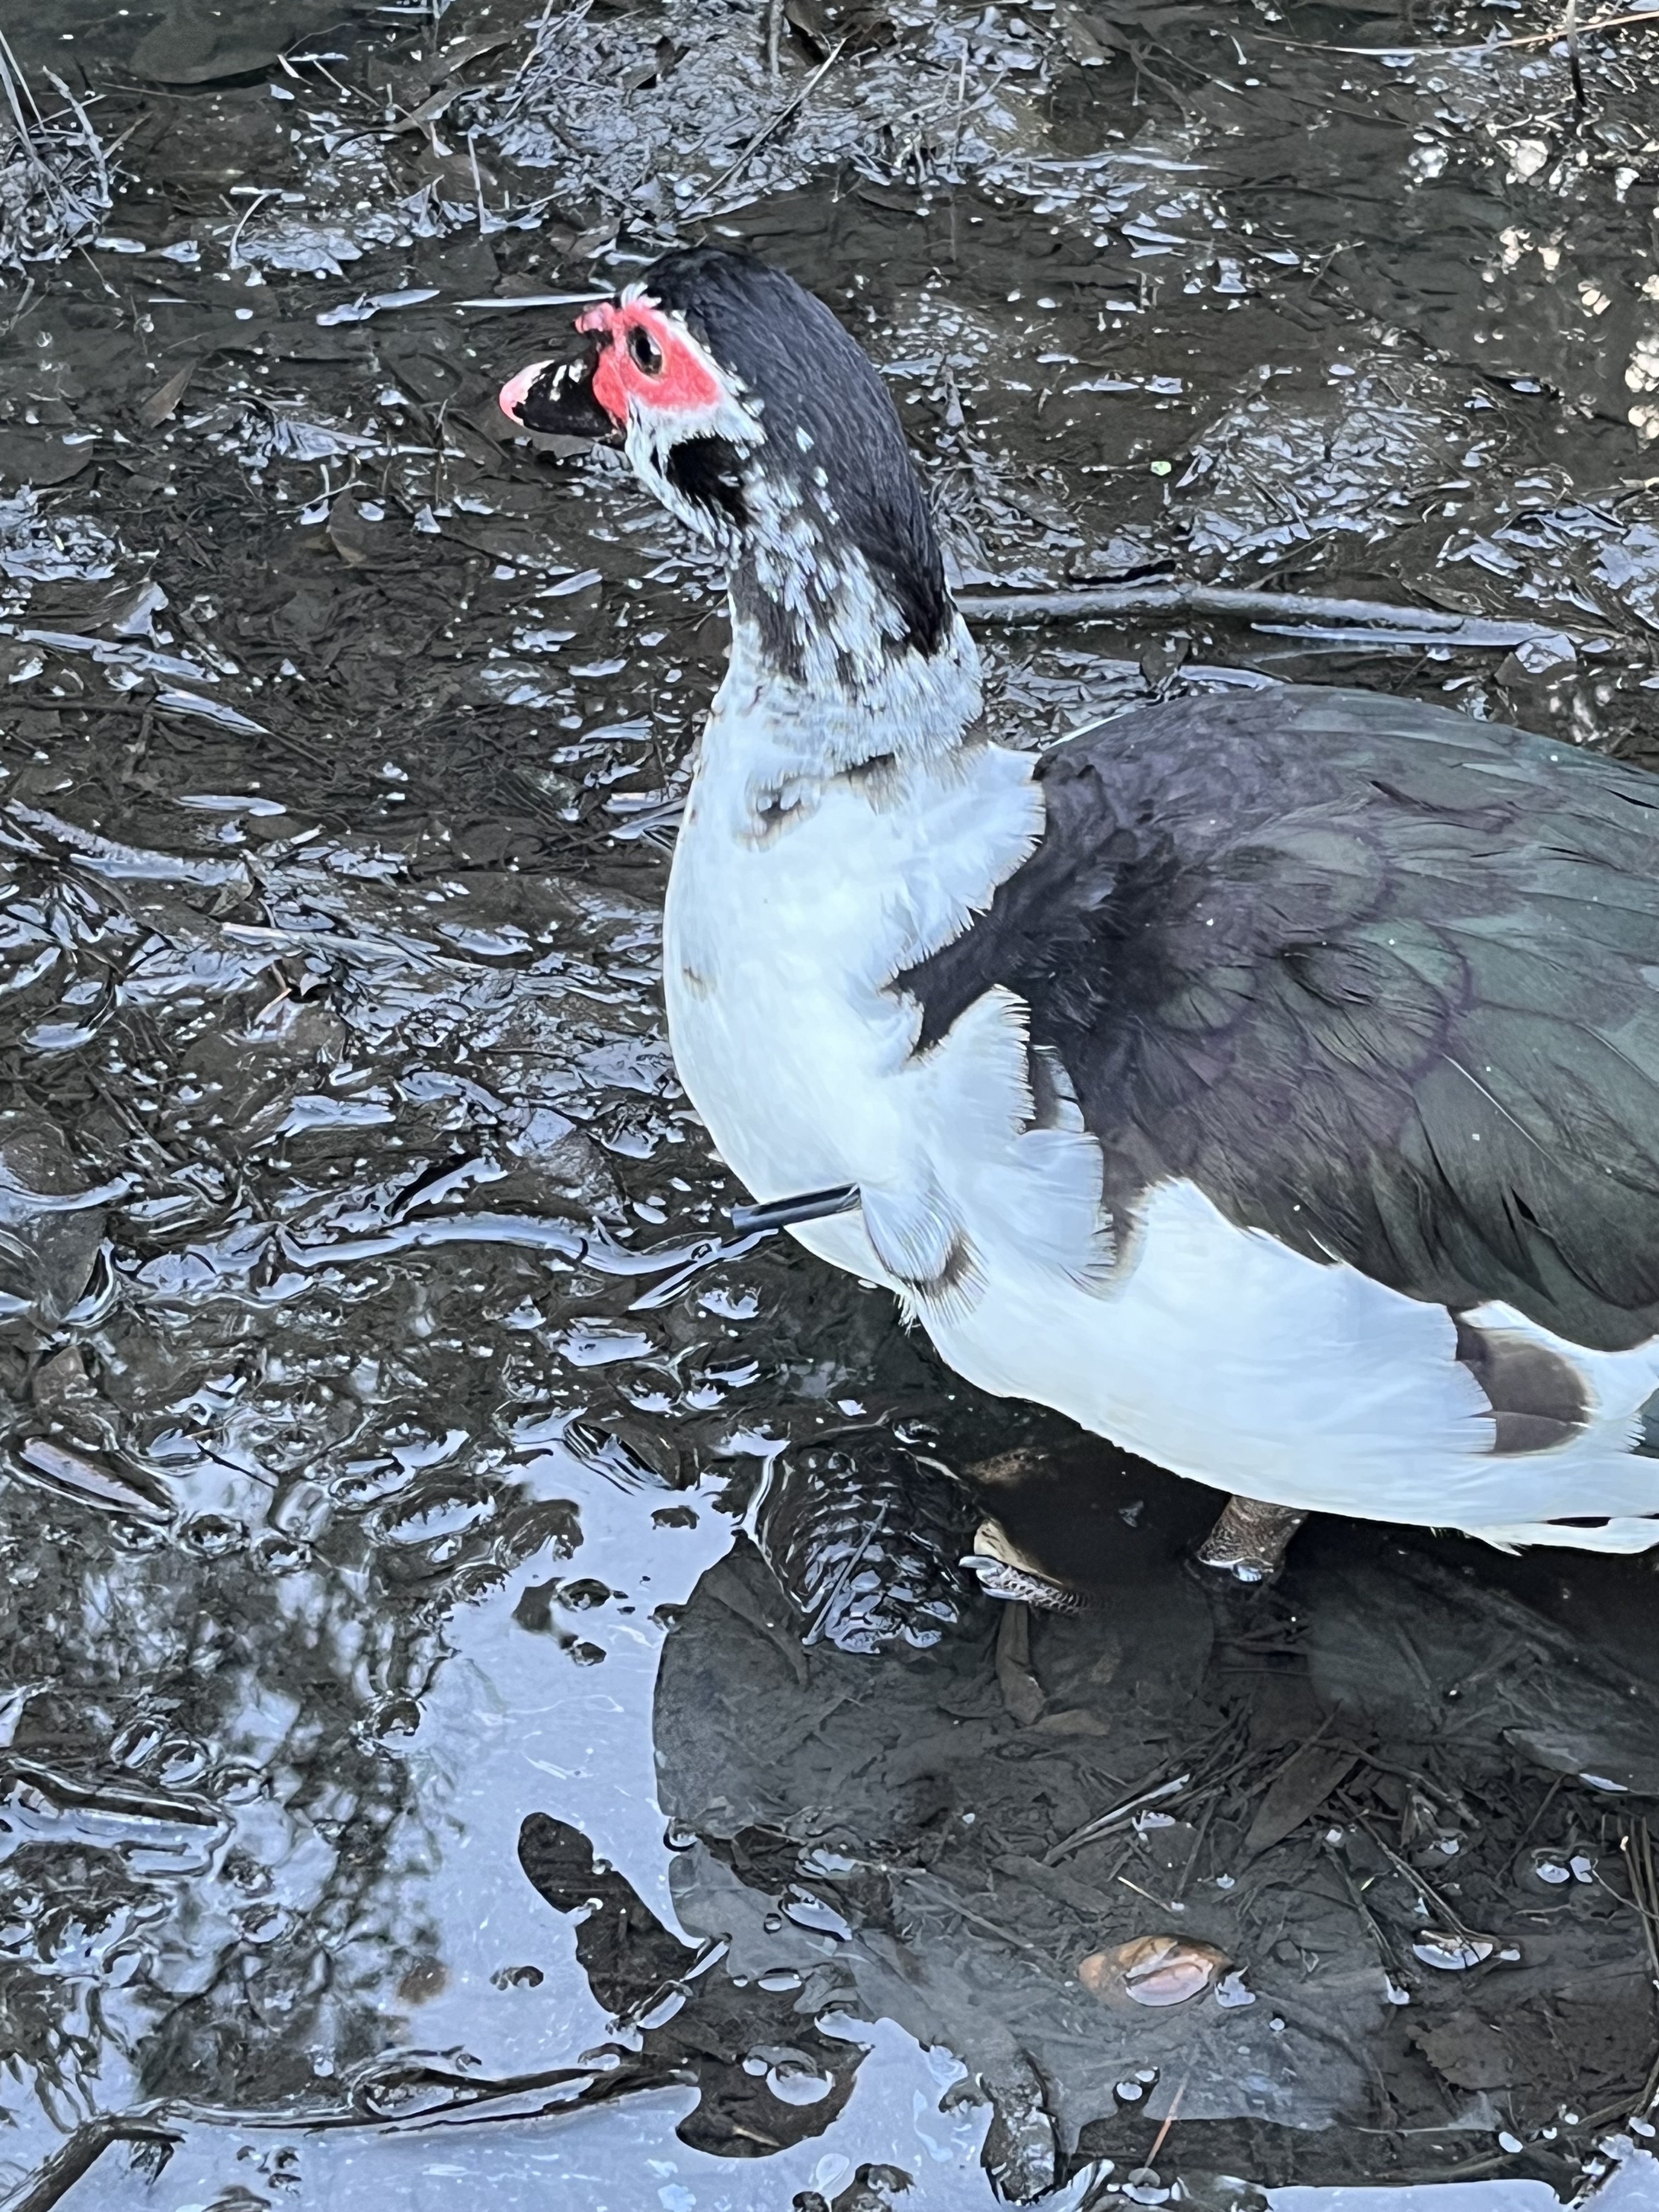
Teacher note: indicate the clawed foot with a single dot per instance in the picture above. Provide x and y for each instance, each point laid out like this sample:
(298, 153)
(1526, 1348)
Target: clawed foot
(1249, 1538)
(1004, 1572)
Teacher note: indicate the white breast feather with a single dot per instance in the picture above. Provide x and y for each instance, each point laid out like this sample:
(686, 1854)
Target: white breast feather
(1216, 1351)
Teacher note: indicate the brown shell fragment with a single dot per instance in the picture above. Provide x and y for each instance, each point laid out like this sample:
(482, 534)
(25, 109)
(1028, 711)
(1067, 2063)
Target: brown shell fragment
(1152, 1970)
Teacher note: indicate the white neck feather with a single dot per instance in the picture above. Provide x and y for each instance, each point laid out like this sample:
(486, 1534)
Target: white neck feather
(824, 677)
(794, 728)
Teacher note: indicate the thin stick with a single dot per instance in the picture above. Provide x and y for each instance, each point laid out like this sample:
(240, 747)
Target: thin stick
(1102, 1822)
(1105, 602)
(1188, 1871)
(784, 115)
(95, 145)
(252, 209)
(841, 1580)
(1549, 1799)
(477, 181)
(1646, 16)
(1168, 2118)
(961, 98)
(14, 81)
(53, 2181)
(1636, 1845)
(1162, 1903)
(1404, 1869)
(951, 1904)
(1570, 29)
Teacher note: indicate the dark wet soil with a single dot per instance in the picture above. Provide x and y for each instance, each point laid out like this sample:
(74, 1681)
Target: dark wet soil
(492, 1708)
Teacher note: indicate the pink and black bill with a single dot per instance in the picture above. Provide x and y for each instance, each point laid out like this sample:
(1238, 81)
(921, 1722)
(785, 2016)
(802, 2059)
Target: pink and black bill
(557, 397)
(747, 382)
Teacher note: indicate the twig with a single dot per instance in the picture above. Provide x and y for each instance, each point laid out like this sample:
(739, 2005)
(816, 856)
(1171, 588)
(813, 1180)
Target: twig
(1169, 2119)
(1637, 1846)
(1549, 1799)
(1570, 28)
(1188, 1871)
(477, 182)
(1162, 1903)
(1104, 1822)
(1341, 617)
(1647, 16)
(841, 1580)
(786, 113)
(53, 2181)
(1404, 1868)
(248, 214)
(517, 300)
(951, 1904)
(1385, 1949)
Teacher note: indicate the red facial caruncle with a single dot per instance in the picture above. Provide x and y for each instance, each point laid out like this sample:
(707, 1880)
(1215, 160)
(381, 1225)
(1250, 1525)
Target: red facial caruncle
(642, 356)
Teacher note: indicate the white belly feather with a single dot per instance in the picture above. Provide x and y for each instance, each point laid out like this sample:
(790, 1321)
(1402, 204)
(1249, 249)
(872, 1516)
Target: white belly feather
(1216, 1351)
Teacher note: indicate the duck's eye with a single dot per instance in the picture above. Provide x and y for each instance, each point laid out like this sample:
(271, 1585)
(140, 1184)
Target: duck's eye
(646, 353)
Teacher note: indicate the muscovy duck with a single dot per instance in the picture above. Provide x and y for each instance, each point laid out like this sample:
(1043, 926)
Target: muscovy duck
(1269, 1082)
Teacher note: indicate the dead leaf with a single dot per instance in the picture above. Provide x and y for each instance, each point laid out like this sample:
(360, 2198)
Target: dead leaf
(199, 42)
(470, 50)
(348, 532)
(428, 111)
(668, 55)
(40, 460)
(1083, 1897)
(1021, 1691)
(1299, 1789)
(1468, 2051)
(1074, 1721)
(1615, 1753)
(851, 26)
(1091, 45)
(92, 1480)
(164, 400)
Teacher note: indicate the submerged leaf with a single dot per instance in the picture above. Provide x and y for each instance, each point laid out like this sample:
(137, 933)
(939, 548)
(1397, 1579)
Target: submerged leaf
(78, 1474)
(1297, 1790)
(164, 400)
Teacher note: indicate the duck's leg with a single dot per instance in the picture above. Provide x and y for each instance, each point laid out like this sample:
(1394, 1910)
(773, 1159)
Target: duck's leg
(1248, 1542)
(1249, 1538)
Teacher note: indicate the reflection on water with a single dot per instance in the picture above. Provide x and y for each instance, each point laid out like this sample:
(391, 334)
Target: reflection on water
(491, 1702)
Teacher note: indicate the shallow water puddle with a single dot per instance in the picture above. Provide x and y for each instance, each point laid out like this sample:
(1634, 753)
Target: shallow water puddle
(491, 1697)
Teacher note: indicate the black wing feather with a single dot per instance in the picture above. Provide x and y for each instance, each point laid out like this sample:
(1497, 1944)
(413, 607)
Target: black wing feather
(1380, 980)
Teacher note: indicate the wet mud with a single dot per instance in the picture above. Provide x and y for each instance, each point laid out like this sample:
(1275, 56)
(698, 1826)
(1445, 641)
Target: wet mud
(491, 1704)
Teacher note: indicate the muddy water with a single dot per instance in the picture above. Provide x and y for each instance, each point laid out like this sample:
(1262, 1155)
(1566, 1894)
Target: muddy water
(493, 1711)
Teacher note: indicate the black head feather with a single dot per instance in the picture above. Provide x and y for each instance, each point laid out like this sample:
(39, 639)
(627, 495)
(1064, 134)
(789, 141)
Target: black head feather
(822, 406)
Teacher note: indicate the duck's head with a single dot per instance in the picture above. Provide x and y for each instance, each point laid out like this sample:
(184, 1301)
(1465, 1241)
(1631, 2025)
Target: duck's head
(745, 407)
